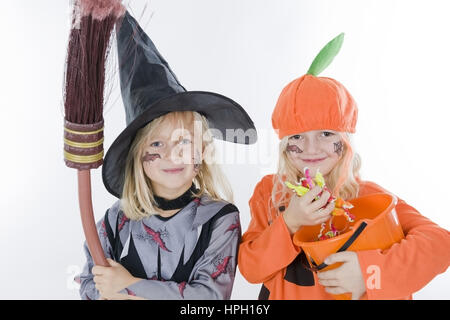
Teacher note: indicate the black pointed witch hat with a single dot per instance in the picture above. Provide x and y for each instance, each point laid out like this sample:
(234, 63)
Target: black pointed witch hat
(150, 89)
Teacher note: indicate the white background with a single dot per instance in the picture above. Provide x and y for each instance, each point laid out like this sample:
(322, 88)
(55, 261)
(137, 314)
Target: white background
(394, 61)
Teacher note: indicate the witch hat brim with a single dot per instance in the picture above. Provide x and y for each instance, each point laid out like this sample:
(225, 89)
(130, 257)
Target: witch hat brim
(150, 90)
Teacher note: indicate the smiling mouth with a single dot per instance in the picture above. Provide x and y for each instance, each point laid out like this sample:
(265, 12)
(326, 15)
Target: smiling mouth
(313, 160)
(174, 170)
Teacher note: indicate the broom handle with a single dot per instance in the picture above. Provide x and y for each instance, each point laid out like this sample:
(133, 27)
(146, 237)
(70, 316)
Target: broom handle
(88, 221)
(87, 218)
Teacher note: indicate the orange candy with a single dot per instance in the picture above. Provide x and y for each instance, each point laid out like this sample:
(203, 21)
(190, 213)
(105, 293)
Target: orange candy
(339, 203)
(338, 212)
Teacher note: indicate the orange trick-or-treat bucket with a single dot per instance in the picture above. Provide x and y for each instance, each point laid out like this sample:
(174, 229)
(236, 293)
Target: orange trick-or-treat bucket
(376, 227)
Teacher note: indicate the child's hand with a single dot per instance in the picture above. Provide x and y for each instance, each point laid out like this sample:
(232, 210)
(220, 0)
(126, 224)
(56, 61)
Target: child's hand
(110, 280)
(304, 211)
(346, 278)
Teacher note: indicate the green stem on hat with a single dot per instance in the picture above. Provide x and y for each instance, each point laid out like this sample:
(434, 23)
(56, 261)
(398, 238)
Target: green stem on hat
(326, 55)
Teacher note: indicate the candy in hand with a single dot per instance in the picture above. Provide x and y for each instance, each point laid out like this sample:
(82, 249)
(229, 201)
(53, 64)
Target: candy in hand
(341, 207)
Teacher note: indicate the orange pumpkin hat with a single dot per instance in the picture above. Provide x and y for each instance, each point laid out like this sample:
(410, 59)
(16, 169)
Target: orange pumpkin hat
(316, 103)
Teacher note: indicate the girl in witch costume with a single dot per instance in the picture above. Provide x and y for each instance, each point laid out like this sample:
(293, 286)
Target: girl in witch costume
(171, 235)
(314, 117)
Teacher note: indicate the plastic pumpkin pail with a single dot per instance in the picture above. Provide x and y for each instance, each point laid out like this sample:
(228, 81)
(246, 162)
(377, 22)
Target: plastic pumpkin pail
(376, 226)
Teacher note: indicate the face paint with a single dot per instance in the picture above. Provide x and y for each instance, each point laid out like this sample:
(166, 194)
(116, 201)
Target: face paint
(150, 157)
(338, 147)
(293, 148)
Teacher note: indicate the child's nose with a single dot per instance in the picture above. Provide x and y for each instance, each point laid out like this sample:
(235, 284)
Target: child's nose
(310, 146)
(178, 155)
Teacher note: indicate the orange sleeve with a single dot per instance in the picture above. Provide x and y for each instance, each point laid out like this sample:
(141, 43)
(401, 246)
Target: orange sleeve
(407, 266)
(265, 249)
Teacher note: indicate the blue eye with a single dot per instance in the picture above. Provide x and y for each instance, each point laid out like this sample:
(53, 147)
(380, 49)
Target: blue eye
(156, 144)
(185, 141)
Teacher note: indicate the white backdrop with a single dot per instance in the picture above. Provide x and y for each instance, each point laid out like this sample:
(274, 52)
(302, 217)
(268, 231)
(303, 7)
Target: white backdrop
(394, 61)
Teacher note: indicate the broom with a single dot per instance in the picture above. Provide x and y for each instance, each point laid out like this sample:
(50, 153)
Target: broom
(88, 48)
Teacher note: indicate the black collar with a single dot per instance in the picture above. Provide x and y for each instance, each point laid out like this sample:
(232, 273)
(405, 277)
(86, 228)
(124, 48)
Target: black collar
(176, 203)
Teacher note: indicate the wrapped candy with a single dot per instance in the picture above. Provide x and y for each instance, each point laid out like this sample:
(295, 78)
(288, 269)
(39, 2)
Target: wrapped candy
(341, 207)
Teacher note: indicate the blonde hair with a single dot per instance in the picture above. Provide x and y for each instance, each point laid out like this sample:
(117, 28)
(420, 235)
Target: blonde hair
(138, 200)
(341, 180)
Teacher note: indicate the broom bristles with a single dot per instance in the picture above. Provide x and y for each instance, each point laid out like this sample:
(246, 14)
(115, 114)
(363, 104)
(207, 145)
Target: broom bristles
(88, 48)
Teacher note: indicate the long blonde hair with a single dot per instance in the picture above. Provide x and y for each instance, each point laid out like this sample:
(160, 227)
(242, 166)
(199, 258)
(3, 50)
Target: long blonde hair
(138, 200)
(341, 180)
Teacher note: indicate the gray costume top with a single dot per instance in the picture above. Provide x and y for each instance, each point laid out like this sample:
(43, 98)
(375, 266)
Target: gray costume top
(190, 255)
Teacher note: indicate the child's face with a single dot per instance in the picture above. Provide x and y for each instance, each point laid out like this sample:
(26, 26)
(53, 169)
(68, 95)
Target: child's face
(317, 149)
(171, 159)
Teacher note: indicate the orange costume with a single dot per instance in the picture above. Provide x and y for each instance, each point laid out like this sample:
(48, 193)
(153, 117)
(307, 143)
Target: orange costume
(267, 253)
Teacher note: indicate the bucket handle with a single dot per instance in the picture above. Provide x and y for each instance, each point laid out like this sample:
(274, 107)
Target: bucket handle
(344, 247)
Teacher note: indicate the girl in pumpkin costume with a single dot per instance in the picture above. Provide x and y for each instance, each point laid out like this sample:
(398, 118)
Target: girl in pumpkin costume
(313, 118)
